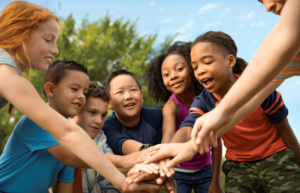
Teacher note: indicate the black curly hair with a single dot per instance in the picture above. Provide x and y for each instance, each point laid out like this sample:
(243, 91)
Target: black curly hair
(58, 70)
(156, 87)
(225, 44)
(97, 91)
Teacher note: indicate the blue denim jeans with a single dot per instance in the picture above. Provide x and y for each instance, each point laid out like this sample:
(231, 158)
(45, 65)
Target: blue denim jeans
(199, 181)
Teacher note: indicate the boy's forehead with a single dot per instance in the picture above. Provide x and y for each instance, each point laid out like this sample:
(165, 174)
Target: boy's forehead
(123, 80)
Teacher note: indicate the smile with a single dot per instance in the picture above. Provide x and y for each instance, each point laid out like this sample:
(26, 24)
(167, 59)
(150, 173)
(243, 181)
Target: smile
(177, 84)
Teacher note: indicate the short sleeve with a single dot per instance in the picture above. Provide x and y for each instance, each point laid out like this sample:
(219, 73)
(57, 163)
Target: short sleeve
(34, 136)
(5, 58)
(112, 129)
(274, 108)
(66, 174)
(159, 128)
(197, 109)
(101, 141)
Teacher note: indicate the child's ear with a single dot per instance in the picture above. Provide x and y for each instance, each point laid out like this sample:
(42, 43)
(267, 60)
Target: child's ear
(231, 60)
(48, 88)
(110, 105)
(142, 96)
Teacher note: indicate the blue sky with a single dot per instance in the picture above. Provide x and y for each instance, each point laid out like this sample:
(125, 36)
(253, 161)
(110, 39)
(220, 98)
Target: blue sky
(246, 21)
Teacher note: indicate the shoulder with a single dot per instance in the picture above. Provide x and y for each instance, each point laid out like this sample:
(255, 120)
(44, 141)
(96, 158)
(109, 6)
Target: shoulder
(111, 122)
(5, 58)
(152, 112)
(170, 107)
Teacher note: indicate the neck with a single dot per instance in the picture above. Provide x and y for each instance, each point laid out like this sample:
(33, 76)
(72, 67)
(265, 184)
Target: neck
(129, 121)
(51, 104)
(228, 84)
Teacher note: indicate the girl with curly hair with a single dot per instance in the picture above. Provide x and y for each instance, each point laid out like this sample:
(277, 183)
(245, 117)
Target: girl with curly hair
(172, 81)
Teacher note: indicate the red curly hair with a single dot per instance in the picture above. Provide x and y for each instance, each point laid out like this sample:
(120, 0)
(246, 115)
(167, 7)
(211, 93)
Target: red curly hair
(17, 22)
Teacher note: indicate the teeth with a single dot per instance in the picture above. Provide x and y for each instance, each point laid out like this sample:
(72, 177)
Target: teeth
(208, 82)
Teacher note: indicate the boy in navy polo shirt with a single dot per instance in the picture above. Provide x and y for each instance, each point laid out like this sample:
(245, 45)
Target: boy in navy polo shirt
(132, 127)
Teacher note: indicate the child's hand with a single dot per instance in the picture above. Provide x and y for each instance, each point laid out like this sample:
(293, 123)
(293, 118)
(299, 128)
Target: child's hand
(163, 169)
(138, 157)
(206, 129)
(180, 151)
(171, 185)
(147, 168)
(215, 187)
(140, 176)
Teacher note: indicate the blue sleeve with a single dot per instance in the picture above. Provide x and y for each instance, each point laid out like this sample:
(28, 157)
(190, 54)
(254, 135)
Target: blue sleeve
(159, 128)
(197, 109)
(274, 108)
(66, 174)
(5, 58)
(115, 139)
(33, 136)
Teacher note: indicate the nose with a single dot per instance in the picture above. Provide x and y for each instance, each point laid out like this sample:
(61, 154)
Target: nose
(270, 7)
(174, 75)
(54, 50)
(98, 120)
(200, 70)
(127, 95)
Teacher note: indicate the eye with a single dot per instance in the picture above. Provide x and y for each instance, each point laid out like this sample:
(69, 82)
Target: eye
(104, 115)
(208, 62)
(120, 92)
(75, 89)
(92, 112)
(85, 93)
(180, 69)
(166, 75)
(134, 89)
(48, 41)
(195, 68)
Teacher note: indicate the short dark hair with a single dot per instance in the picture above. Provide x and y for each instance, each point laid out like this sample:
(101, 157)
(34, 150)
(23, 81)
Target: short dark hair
(156, 87)
(97, 91)
(115, 74)
(225, 44)
(58, 70)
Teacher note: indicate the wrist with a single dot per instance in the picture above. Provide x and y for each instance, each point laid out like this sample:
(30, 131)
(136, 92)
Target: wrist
(145, 146)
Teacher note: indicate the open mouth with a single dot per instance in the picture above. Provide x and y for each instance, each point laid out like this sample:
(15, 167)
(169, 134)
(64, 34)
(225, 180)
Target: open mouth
(77, 104)
(207, 82)
(95, 128)
(130, 105)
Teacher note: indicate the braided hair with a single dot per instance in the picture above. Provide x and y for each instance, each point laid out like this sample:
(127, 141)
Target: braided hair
(225, 44)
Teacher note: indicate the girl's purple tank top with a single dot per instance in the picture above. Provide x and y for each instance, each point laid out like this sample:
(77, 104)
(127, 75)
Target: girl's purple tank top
(198, 161)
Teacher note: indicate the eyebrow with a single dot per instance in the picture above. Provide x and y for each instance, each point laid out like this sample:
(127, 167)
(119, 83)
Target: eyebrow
(175, 64)
(202, 58)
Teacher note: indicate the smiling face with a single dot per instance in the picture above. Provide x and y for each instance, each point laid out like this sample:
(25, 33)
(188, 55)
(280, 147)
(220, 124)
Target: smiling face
(41, 45)
(126, 98)
(176, 74)
(68, 96)
(92, 116)
(212, 69)
(274, 6)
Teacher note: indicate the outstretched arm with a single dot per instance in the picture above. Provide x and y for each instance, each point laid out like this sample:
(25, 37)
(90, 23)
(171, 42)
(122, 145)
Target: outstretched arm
(21, 93)
(274, 54)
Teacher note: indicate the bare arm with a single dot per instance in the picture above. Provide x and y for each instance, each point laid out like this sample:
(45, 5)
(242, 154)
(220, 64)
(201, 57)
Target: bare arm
(274, 54)
(130, 146)
(169, 121)
(64, 187)
(14, 87)
(288, 137)
(182, 135)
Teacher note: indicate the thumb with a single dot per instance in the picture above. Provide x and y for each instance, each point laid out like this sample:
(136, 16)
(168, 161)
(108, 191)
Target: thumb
(175, 162)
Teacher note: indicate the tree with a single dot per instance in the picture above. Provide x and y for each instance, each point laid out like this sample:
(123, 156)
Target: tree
(102, 46)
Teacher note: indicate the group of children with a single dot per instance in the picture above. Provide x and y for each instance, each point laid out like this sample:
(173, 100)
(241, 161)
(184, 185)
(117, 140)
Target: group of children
(191, 79)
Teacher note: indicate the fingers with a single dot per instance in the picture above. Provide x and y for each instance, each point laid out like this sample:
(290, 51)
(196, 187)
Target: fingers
(164, 170)
(171, 185)
(162, 153)
(130, 179)
(141, 186)
(160, 180)
(144, 176)
(174, 162)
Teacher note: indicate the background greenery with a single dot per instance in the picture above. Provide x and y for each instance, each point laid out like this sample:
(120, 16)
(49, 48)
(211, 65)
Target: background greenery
(102, 46)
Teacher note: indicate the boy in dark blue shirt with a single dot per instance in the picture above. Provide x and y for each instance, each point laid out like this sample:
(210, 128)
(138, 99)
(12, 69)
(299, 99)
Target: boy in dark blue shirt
(132, 127)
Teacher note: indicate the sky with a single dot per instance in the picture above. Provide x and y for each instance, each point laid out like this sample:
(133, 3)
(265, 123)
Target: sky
(246, 21)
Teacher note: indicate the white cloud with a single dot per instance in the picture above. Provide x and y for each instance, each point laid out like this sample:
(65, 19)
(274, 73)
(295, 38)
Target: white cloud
(204, 8)
(225, 12)
(249, 16)
(254, 24)
(162, 10)
(152, 3)
(167, 20)
(210, 25)
(188, 26)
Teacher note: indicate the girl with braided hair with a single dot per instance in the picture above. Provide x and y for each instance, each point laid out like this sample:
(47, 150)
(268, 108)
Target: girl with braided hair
(260, 154)
(172, 81)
